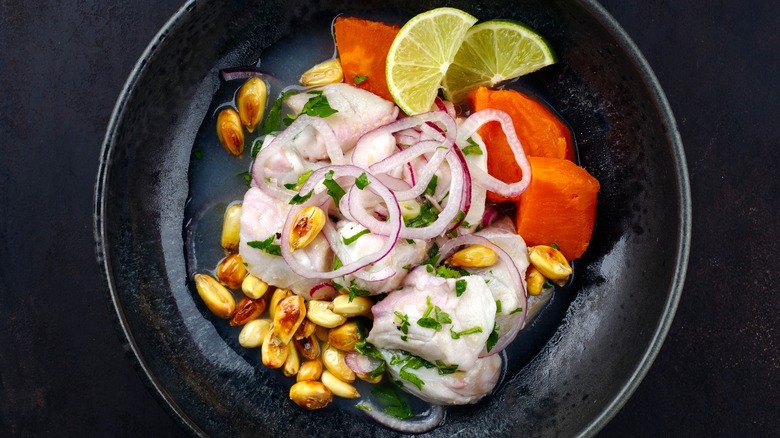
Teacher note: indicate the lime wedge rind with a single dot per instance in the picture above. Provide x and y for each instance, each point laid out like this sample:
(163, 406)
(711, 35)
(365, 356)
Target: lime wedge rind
(428, 41)
(518, 51)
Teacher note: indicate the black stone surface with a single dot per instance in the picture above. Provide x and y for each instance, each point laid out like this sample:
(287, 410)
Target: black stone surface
(62, 367)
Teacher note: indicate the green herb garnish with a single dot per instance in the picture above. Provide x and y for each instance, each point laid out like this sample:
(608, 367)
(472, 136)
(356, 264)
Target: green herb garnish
(493, 338)
(300, 199)
(471, 331)
(267, 245)
(356, 236)
(362, 181)
(472, 149)
(460, 287)
(300, 182)
(334, 189)
(274, 117)
(318, 106)
(359, 79)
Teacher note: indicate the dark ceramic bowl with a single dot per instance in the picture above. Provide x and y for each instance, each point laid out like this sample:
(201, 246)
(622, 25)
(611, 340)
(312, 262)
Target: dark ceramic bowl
(580, 360)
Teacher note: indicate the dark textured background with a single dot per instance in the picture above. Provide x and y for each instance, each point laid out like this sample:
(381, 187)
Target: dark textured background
(62, 367)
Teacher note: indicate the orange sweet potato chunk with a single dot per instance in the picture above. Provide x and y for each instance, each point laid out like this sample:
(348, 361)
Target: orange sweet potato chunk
(363, 47)
(559, 206)
(541, 133)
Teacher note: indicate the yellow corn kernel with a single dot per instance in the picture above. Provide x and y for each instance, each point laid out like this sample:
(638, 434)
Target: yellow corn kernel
(278, 295)
(345, 336)
(475, 256)
(231, 227)
(254, 287)
(535, 281)
(320, 332)
(274, 355)
(231, 271)
(230, 131)
(293, 362)
(359, 306)
(305, 330)
(253, 333)
(369, 379)
(321, 313)
(338, 387)
(308, 347)
(251, 100)
(550, 262)
(306, 226)
(310, 370)
(328, 72)
(333, 359)
(310, 395)
(288, 317)
(218, 299)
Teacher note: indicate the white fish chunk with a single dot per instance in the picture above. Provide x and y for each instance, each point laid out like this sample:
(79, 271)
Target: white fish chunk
(359, 111)
(263, 216)
(399, 325)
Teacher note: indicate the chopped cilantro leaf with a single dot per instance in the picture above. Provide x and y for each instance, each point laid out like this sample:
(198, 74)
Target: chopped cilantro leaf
(404, 322)
(350, 240)
(363, 407)
(493, 338)
(300, 199)
(407, 266)
(393, 402)
(300, 182)
(433, 255)
(274, 117)
(359, 79)
(431, 188)
(337, 263)
(247, 178)
(471, 331)
(355, 291)
(460, 287)
(267, 245)
(444, 369)
(519, 309)
(445, 271)
(498, 306)
(362, 181)
(334, 189)
(318, 106)
(411, 378)
(256, 145)
(472, 148)
(198, 154)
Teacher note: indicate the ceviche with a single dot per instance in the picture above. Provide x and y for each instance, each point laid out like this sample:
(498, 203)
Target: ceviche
(405, 214)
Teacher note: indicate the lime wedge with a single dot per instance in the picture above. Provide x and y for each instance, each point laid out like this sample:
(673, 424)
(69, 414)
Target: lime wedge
(492, 52)
(421, 54)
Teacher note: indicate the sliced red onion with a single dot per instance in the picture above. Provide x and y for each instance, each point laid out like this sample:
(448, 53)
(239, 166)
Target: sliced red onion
(430, 420)
(323, 291)
(394, 223)
(489, 216)
(230, 74)
(470, 126)
(473, 239)
(373, 277)
(424, 176)
(465, 190)
(361, 364)
(287, 137)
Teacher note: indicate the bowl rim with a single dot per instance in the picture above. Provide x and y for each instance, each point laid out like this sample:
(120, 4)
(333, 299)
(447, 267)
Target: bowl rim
(681, 254)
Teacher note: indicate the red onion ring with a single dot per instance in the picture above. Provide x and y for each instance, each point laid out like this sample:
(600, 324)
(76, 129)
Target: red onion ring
(470, 126)
(323, 291)
(431, 420)
(394, 223)
(361, 364)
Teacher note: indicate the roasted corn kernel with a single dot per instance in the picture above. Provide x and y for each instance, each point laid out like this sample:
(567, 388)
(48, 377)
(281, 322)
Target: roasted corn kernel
(333, 359)
(534, 281)
(321, 313)
(274, 355)
(254, 287)
(320, 332)
(253, 333)
(310, 370)
(251, 100)
(288, 317)
(230, 131)
(328, 72)
(369, 379)
(305, 330)
(474, 256)
(359, 306)
(345, 336)
(550, 262)
(308, 347)
(218, 299)
(278, 295)
(306, 226)
(310, 395)
(338, 387)
(293, 362)
(247, 310)
(231, 227)
(231, 271)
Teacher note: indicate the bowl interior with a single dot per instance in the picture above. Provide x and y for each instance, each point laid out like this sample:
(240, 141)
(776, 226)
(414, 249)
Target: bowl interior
(585, 354)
